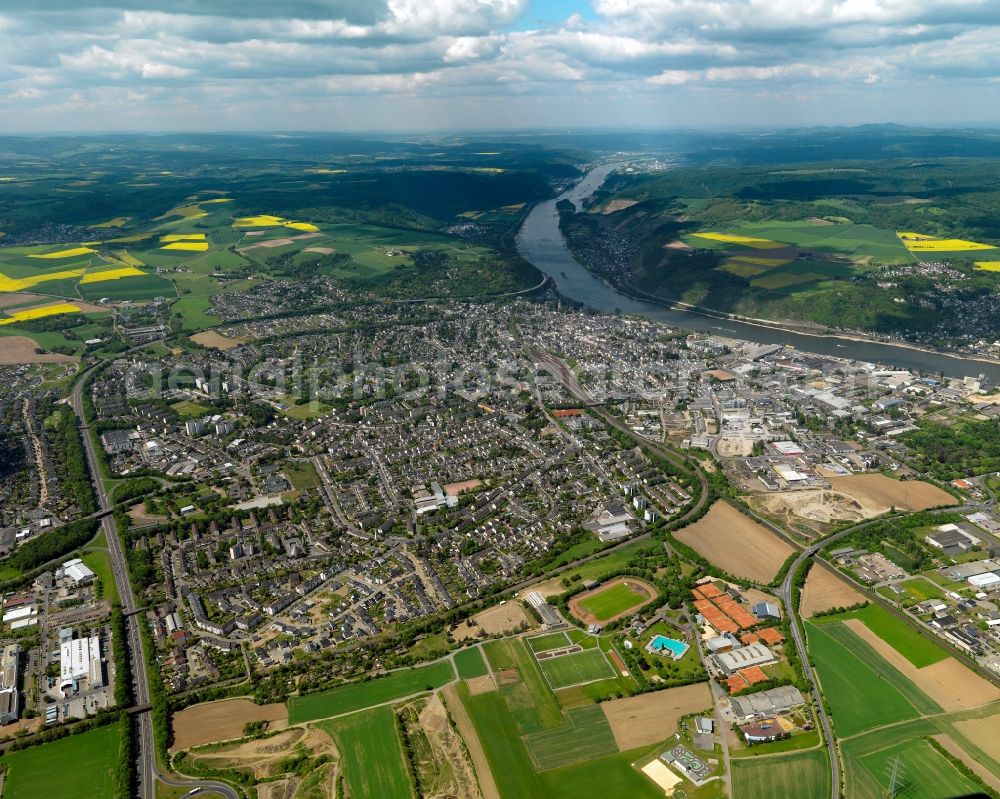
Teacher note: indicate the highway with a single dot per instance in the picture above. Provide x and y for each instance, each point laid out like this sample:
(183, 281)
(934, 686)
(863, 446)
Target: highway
(148, 770)
(785, 593)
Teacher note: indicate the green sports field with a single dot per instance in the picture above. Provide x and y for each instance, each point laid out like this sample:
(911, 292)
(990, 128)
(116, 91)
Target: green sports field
(804, 775)
(80, 766)
(543, 643)
(580, 667)
(470, 663)
(615, 600)
(372, 754)
(356, 696)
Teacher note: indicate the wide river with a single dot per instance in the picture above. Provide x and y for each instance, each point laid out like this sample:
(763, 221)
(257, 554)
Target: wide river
(541, 242)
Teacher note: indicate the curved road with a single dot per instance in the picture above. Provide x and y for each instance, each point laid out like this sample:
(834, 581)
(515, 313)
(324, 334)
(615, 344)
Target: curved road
(148, 769)
(565, 376)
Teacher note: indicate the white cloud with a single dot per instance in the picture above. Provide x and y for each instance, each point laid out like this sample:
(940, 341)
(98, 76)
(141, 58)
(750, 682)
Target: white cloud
(454, 53)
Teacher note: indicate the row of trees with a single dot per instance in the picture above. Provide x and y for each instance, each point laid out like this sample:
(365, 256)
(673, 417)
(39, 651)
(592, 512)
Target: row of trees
(53, 544)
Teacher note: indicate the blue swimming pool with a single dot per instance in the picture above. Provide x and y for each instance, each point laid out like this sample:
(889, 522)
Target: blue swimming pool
(661, 645)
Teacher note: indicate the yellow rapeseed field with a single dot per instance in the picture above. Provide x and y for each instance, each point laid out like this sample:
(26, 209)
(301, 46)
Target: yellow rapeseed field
(70, 253)
(190, 246)
(918, 242)
(735, 238)
(192, 211)
(111, 274)
(38, 313)
(126, 257)
(262, 220)
(266, 220)
(183, 237)
(23, 283)
(988, 266)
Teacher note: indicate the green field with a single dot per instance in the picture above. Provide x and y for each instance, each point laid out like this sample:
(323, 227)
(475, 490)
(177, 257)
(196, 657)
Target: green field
(916, 648)
(580, 667)
(495, 727)
(614, 601)
(857, 241)
(100, 564)
(611, 775)
(356, 696)
(862, 690)
(925, 772)
(372, 755)
(586, 735)
(80, 766)
(804, 775)
(307, 410)
(470, 663)
(189, 409)
(606, 564)
(302, 475)
(522, 687)
(543, 643)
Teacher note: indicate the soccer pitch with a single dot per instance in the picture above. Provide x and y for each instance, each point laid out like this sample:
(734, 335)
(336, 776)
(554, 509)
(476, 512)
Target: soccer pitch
(580, 667)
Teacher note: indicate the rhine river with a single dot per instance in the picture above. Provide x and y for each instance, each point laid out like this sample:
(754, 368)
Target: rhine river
(541, 242)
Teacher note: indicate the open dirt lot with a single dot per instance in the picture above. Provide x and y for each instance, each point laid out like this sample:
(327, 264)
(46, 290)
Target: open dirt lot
(734, 447)
(619, 204)
(952, 748)
(735, 543)
(137, 513)
(263, 757)
(494, 621)
(824, 590)
(551, 587)
(21, 349)
(636, 585)
(458, 775)
(217, 341)
(481, 685)
(222, 721)
(878, 493)
(948, 682)
(454, 489)
(649, 718)
(266, 244)
(6, 300)
(817, 505)
(985, 732)
(468, 732)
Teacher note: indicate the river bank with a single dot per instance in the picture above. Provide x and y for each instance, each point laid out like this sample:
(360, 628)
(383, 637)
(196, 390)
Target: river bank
(541, 242)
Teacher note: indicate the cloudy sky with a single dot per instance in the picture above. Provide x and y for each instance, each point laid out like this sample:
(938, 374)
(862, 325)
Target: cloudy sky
(373, 65)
